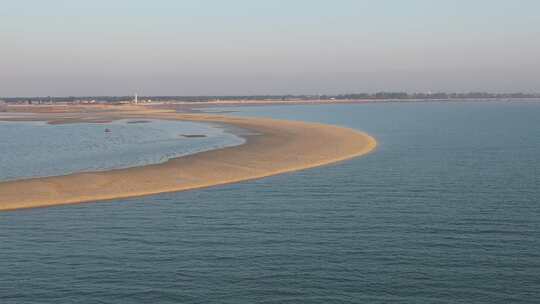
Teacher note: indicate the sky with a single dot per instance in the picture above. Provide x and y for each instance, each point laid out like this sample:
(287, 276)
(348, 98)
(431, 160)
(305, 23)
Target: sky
(248, 47)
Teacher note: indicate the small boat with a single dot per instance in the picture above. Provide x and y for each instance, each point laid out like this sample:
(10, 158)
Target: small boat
(107, 130)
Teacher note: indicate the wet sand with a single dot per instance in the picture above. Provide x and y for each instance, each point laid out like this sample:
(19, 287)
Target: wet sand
(277, 147)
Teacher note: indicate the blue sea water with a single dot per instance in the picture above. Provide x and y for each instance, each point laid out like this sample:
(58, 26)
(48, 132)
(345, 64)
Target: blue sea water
(37, 149)
(446, 210)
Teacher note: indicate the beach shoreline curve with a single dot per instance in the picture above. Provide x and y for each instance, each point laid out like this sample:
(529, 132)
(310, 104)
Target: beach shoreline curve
(275, 147)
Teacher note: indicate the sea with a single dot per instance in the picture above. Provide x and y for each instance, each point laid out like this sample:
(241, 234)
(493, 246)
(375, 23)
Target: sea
(445, 210)
(38, 149)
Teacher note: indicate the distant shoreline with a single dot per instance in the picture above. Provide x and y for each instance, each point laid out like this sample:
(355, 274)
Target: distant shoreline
(197, 101)
(278, 147)
(195, 106)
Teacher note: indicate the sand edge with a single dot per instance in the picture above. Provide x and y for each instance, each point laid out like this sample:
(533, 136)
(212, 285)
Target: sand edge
(281, 147)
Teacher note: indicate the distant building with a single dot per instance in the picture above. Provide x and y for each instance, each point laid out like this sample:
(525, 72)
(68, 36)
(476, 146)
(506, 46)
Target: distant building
(3, 106)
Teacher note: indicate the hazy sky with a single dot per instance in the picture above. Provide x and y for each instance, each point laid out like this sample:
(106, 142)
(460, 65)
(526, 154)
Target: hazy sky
(225, 47)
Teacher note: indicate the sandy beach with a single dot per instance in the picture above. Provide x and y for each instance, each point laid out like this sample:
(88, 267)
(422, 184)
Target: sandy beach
(276, 147)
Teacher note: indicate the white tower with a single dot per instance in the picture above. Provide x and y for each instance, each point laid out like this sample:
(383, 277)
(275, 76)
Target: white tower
(136, 99)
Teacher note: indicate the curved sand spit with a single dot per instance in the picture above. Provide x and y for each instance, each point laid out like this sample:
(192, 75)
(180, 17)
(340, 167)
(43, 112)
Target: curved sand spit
(278, 147)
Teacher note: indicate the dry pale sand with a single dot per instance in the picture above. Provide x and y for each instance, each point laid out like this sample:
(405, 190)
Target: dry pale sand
(278, 147)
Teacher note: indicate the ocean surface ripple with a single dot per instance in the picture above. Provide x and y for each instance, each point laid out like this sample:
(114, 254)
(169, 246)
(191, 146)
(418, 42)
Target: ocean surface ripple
(445, 211)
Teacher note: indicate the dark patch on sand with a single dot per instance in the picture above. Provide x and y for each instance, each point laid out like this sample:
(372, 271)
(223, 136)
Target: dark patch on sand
(193, 135)
(138, 121)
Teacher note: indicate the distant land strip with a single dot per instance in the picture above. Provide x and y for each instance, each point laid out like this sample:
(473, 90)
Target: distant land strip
(275, 147)
(286, 98)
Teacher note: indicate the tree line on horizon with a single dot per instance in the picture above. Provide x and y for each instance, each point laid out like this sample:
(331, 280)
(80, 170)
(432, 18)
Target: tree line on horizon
(353, 96)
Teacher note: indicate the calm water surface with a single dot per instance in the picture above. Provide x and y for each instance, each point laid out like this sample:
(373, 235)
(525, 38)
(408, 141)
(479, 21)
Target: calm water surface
(32, 149)
(445, 211)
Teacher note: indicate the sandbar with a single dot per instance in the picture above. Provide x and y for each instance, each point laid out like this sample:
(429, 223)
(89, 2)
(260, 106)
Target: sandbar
(274, 147)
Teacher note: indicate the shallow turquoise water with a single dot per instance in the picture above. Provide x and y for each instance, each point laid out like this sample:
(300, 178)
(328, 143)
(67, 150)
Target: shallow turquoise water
(32, 149)
(445, 211)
